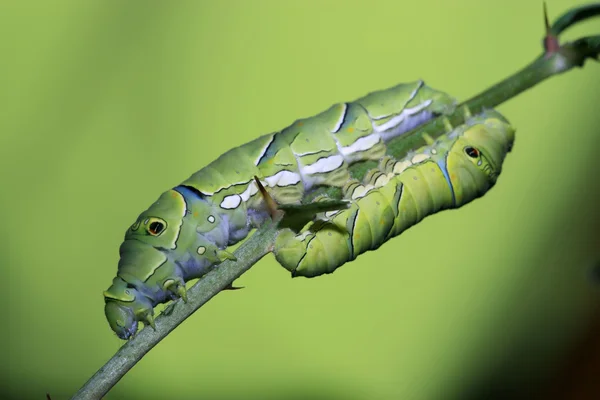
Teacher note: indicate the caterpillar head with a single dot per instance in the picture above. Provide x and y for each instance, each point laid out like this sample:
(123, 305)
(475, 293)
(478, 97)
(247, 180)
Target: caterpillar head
(124, 306)
(481, 161)
(148, 270)
(121, 320)
(477, 154)
(174, 240)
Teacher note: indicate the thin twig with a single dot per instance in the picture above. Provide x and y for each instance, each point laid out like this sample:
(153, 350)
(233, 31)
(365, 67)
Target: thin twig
(553, 61)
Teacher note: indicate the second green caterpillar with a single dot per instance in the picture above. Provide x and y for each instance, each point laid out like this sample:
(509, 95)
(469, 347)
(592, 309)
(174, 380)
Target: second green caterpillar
(459, 167)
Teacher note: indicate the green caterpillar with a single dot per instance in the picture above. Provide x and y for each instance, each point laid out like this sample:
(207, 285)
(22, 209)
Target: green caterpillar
(448, 173)
(185, 233)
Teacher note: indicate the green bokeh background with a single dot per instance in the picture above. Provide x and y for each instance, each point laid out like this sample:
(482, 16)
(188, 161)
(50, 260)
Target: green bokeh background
(106, 104)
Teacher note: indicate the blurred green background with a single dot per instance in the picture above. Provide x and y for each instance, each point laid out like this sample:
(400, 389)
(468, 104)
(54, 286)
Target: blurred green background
(106, 104)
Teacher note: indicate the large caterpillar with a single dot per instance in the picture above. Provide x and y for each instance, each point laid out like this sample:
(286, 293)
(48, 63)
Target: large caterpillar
(187, 230)
(447, 173)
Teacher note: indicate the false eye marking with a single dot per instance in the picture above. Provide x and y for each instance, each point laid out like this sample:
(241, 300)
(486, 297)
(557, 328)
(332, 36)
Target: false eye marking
(155, 226)
(201, 250)
(211, 219)
(471, 152)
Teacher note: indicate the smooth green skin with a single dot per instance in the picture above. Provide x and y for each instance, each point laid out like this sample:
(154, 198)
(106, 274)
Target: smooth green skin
(399, 194)
(222, 203)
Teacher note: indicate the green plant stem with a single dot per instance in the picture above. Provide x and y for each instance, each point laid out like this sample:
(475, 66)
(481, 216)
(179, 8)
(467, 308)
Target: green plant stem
(573, 17)
(568, 56)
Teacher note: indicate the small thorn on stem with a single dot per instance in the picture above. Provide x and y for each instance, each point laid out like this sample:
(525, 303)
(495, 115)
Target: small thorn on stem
(271, 205)
(551, 44)
(231, 287)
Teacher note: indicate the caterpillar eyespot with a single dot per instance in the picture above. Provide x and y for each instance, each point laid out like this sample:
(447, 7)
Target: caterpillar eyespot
(472, 152)
(188, 229)
(156, 226)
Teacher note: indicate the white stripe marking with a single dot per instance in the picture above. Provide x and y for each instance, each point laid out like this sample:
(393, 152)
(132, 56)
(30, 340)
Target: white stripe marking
(382, 181)
(412, 95)
(230, 202)
(331, 214)
(250, 191)
(400, 166)
(398, 118)
(364, 143)
(419, 158)
(309, 153)
(359, 192)
(283, 178)
(326, 164)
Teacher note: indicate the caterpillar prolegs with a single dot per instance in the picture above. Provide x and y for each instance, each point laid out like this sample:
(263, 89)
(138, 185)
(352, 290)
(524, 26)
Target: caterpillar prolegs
(457, 168)
(186, 232)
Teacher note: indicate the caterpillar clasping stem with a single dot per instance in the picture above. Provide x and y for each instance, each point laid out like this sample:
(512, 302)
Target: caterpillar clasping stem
(149, 320)
(179, 290)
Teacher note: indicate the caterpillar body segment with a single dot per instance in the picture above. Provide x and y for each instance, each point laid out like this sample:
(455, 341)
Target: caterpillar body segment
(453, 170)
(186, 232)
